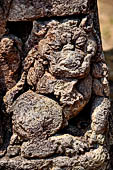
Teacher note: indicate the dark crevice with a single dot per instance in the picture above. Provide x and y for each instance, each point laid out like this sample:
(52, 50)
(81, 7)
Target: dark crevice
(21, 29)
(1, 3)
(53, 97)
(60, 18)
(7, 132)
(78, 125)
(91, 5)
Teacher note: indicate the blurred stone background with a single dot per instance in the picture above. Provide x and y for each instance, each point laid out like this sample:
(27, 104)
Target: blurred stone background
(106, 26)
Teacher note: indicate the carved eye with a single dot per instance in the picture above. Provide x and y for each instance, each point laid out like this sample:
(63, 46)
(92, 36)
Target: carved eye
(80, 42)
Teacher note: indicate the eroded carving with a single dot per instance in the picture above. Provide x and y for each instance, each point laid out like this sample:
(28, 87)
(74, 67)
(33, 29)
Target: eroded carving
(63, 71)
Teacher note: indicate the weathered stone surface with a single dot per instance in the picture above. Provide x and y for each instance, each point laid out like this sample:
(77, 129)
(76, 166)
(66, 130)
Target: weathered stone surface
(37, 116)
(13, 151)
(56, 105)
(4, 10)
(10, 50)
(88, 161)
(31, 10)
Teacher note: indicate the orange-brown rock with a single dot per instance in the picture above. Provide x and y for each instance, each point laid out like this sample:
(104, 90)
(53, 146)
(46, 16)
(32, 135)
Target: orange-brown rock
(10, 59)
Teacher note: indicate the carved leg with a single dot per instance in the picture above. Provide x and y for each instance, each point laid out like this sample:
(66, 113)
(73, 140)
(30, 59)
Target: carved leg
(38, 149)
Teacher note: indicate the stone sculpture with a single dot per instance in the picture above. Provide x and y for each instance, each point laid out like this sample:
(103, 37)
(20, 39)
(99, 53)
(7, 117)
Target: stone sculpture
(55, 79)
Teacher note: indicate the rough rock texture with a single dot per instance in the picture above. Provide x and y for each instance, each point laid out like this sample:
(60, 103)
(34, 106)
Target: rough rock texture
(33, 9)
(55, 106)
(4, 12)
(10, 59)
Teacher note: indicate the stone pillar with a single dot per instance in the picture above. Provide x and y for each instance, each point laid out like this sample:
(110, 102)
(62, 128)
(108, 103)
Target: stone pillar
(54, 86)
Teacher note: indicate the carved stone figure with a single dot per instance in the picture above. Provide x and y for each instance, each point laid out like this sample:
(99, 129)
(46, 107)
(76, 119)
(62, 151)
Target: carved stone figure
(59, 105)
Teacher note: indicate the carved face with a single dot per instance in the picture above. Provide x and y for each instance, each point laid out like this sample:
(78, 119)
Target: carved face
(68, 48)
